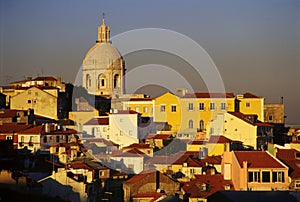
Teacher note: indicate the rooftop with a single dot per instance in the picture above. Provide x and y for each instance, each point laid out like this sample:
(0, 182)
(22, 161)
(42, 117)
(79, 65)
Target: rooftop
(257, 159)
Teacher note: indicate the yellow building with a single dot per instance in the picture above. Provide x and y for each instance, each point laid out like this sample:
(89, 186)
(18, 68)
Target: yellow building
(167, 108)
(251, 104)
(42, 100)
(198, 109)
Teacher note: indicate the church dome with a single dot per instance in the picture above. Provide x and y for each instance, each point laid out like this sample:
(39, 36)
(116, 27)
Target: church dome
(101, 56)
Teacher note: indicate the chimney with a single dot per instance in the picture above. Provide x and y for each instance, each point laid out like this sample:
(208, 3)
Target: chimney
(181, 91)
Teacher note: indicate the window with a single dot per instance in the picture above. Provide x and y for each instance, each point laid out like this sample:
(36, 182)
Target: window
(191, 106)
(29, 101)
(247, 104)
(162, 108)
(297, 184)
(266, 176)
(45, 139)
(57, 138)
(145, 109)
(36, 94)
(102, 82)
(173, 108)
(128, 108)
(201, 125)
(29, 92)
(191, 124)
(137, 109)
(212, 106)
(223, 106)
(278, 176)
(201, 106)
(253, 176)
(211, 131)
(116, 80)
(270, 118)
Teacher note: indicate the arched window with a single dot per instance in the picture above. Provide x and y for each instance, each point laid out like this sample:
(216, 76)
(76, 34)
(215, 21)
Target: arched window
(201, 125)
(116, 80)
(101, 81)
(191, 124)
(88, 81)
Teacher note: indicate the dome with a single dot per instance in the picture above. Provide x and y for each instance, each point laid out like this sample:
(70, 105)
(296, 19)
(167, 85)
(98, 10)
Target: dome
(101, 56)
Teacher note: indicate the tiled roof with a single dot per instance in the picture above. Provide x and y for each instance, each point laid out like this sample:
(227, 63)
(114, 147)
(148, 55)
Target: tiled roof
(141, 99)
(35, 130)
(125, 112)
(159, 136)
(138, 145)
(98, 121)
(220, 139)
(9, 113)
(87, 164)
(289, 158)
(257, 159)
(212, 160)
(209, 95)
(250, 95)
(211, 184)
(137, 178)
(44, 78)
(131, 153)
(189, 161)
(13, 127)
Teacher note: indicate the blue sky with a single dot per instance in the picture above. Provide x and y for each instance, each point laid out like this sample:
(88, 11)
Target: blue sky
(255, 44)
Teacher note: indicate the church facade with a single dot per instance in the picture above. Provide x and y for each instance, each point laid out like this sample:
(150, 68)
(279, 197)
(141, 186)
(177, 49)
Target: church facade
(103, 67)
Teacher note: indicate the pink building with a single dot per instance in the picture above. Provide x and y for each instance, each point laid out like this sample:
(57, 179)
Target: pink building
(254, 170)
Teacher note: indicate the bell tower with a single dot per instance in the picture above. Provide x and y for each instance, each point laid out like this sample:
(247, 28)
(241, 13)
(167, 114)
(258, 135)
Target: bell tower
(103, 32)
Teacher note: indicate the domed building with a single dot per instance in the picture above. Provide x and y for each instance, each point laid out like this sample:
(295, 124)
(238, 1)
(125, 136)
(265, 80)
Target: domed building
(103, 66)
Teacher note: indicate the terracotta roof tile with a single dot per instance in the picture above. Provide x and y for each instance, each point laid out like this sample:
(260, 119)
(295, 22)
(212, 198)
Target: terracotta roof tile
(13, 127)
(220, 139)
(257, 159)
(250, 95)
(209, 95)
(211, 184)
(159, 136)
(98, 121)
(138, 145)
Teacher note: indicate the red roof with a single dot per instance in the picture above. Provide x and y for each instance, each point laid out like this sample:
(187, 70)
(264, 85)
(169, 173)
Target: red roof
(257, 159)
(138, 145)
(13, 127)
(289, 158)
(212, 160)
(250, 95)
(159, 136)
(189, 161)
(9, 113)
(220, 139)
(209, 95)
(131, 153)
(35, 130)
(205, 185)
(137, 178)
(125, 112)
(44, 78)
(98, 121)
(141, 99)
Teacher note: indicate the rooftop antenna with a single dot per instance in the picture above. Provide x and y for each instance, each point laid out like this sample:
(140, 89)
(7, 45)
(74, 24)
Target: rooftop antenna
(281, 99)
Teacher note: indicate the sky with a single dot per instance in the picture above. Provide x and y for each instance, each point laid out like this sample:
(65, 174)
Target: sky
(255, 44)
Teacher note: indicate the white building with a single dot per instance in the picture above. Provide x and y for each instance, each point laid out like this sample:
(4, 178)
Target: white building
(103, 66)
(98, 127)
